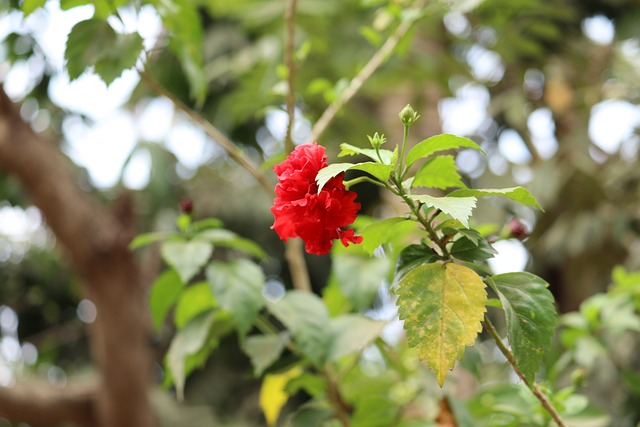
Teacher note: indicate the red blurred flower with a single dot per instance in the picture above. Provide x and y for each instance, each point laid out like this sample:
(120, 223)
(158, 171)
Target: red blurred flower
(300, 211)
(186, 205)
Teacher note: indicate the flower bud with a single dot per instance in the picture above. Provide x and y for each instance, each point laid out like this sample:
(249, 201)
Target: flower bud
(377, 140)
(517, 229)
(408, 115)
(578, 377)
(186, 205)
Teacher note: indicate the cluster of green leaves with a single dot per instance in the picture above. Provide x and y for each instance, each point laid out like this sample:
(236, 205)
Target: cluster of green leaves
(94, 45)
(212, 298)
(209, 298)
(440, 283)
(589, 348)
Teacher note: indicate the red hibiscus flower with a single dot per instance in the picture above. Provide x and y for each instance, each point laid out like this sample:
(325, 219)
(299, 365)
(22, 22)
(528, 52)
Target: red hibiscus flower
(301, 211)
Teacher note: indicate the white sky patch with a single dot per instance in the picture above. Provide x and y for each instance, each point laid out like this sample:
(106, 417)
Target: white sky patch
(486, 65)
(19, 224)
(511, 257)
(612, 122)
(138, 170)
(156, 119)
(51, 26)
(190, 145)
(513, 148)
(276, 121)
(17, 82)
(457, 24)
(542, 128)
(88, 95)
(464, 114)
(103, 148)
(599, 29)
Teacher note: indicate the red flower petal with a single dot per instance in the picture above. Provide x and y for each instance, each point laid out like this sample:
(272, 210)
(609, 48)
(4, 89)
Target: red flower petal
(300, 211)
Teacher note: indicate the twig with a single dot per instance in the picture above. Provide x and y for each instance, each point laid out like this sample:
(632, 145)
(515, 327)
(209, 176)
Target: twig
(335, 399)
(293, 247)
(213, 132)
(544, 400)
(290, 20)
(370, 67)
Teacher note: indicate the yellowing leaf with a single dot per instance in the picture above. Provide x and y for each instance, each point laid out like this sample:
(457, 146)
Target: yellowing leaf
(442, 306)
(273, 395)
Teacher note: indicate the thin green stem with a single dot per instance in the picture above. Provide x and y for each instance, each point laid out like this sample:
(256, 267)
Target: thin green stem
(265, 326)
(342, 409)
(544, 400)
(422, 219)
(366, 72)
(361, 179)
(400, 172)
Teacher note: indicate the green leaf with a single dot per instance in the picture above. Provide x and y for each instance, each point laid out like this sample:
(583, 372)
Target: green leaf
(442, 306)
(440, 172)
(313, 384)
(93, 43)
(459, 208)
(183, 221)
(377, 170)
(187, 341)
(187, 258)
(471, 234)
(352, 150)
(325, 174)
(148, 238)
(531, 316)
(263, 350)
(70, 4)
(184, 25)
(467, 250)
(164, 294)
(205, 224)
(439, 143)
(193, 300)
(359, 278)
(85, 45)
(381, 172)
(121, 55)
(237, 285)
(29, 6)
(518, 194)
(351, 333)
(380, 232)
(412, 256)
(311, 415)
(228, 239)
(306, 317)
(334, 299)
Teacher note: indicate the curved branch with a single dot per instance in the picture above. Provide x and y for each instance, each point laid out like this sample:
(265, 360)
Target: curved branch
(539, 394)
(42, 404)
(290, 21)
(293, 247)
(367, 71)
(213, 132)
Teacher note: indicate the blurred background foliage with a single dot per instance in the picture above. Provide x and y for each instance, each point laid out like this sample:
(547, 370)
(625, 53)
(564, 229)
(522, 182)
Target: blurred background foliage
(549, 88)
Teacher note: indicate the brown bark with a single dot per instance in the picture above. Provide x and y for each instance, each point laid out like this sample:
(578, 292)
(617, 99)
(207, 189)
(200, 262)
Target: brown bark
(95, 241)
(44, 405)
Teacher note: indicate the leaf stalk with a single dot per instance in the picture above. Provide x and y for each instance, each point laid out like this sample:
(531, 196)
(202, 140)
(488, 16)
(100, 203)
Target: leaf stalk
(539, 394)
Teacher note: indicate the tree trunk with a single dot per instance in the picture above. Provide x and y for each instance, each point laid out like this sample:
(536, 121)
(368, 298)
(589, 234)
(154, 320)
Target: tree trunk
(95, 241)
